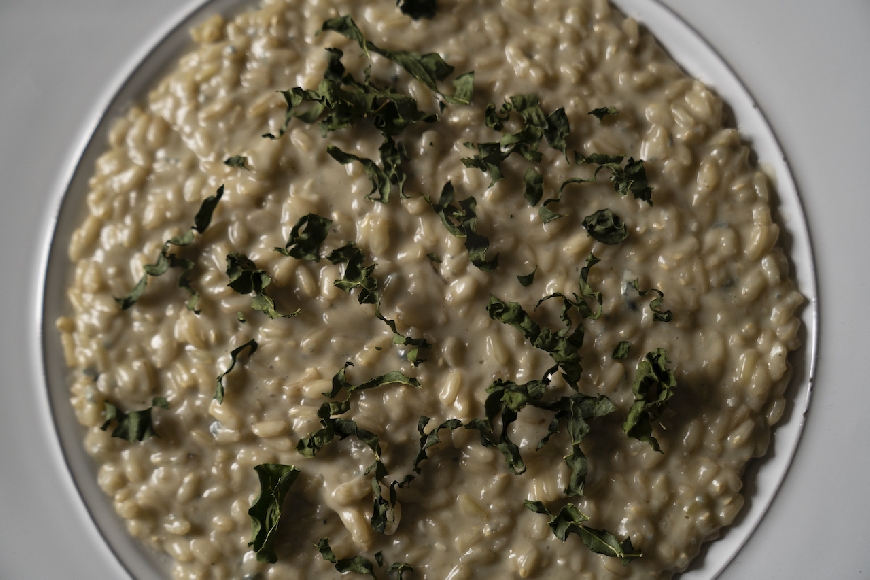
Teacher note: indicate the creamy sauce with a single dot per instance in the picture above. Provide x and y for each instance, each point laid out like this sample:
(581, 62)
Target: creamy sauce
(708, 243)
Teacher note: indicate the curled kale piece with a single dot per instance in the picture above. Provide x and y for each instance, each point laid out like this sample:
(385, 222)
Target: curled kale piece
(265, 513)
(570, 520)
(166, 260)
(461, 221)
(132, 426)
(653, 387)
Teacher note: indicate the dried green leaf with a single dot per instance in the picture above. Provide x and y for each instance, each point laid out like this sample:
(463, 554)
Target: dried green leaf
(605, 227)
(132, 426)
(246, 278)
(570, 520)
(557, 130)
(305, 244)
(461, 221)
(265, 513)
(655, 305)
(237, 161)
(602, 112)
(561, 345)
(219, 389)
(418, 9)
(357, 564)
(431, 438)
(528, 278)
(654, 385)
(534, 182)
(621, 350)
(203, 217)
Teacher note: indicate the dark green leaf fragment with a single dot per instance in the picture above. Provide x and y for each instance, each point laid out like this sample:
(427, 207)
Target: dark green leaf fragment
(528, 278)
(628, 178)
(203, 217)
(562, 345)
(557, 130)
(234, 354)
(400, 568)
(461, 221)
(435, 258)
(463, 89)
(654, 385)
(357, 564)
(546, 214)
(246, 278)
(506, 398)
(418, 9)
(265, 513)
(358, 276)
(621, 350)
(355, 274)
(305, 244)
(431, 438)
(339, 382)
(605, 227)
(132, 426)
(534, 182)
(165, 260)
(570, 520)
(575, 410)
(602, 112)
(656, 304)
(430, 68)
(238, 161)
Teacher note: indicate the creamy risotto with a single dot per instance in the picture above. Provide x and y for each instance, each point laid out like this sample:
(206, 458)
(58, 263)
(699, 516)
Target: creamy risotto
(365, 326)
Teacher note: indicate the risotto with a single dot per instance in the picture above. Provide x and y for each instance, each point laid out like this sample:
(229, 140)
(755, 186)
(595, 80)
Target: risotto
(483, 291)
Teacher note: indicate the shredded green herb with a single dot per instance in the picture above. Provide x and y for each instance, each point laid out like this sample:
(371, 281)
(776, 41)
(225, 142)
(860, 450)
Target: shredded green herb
(234, 354)
(656, 304)
(418, 9)
(265, 513)
(237, 161)
(166, 260)
(461, 221)
(527, 279)
(246, 278)
(132, 426)
(570, 520)
(653, 387)
(602, 112)
(621, 350)
(305, 244)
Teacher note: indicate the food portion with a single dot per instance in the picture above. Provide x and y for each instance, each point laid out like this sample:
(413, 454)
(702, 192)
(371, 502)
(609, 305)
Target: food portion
(431, 291)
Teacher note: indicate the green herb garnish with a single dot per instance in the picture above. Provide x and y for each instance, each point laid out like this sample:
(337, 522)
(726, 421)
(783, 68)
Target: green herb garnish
(654, 385)
(605, 227)
(430, 68)
(165, 260)
(383, 179)
(238, 161)
(132, 426)
(219, 389)
(570, 520)
(246, 278)
(602, 112)
(358, 276)
(418, 9)
(461, 221)
(575, 410)
(265, 513)
(656, 304)
(305, 244)
(621, 350)
(431, 438)
(357, 564)
(528, 278)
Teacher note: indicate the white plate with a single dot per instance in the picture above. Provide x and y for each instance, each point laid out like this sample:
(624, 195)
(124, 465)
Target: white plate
(37, 467)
